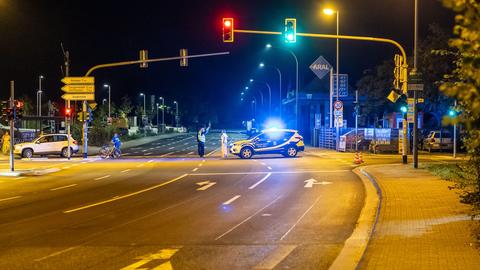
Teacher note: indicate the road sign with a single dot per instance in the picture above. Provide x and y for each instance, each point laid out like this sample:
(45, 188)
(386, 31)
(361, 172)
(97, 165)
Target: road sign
(320, 67)
(92, 105)
(79, 88)
(393, 96)
(415, 86)
(78, 80)
(338, 105)
(79, 96)
(342, 87)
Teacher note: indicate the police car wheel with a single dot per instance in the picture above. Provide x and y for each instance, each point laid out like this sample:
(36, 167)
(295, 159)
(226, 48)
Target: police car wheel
(246, 153)
(27, 153)
(291, 151)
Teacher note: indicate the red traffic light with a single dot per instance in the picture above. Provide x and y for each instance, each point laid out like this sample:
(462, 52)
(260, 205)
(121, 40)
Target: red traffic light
(19, 104)
(68, 112)
(228, 30)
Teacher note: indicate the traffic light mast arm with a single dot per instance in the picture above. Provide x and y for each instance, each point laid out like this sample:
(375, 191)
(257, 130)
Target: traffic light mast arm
(136, 62)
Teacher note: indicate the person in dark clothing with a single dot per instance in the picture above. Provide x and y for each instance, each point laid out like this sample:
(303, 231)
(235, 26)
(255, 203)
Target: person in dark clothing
(201, 139)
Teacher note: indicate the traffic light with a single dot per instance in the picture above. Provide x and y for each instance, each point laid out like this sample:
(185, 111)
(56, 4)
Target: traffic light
(19, 104)
(228, 30)
(68, 113)
(143, 56)
(6, 111)
(402, 104)
(452, 113)
(400, 74)
(290, 32)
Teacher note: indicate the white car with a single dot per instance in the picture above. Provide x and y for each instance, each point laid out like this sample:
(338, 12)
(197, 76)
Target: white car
(45, 145)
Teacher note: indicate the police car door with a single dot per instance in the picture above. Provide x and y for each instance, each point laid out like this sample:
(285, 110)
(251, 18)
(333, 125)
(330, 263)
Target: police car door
(261, 141)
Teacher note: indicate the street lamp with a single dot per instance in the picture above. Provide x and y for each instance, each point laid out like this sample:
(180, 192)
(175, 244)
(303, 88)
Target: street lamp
(39, 95)
(163, 112)
(262, 65)
(176, 112)
(269, 94)
(269, 46)
(158, 127)
(103, 101)
(144, 104)
(330, 12)
(109, 97)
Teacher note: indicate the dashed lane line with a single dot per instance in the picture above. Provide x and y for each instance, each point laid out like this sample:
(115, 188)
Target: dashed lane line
(274, 172)
(10, 198)
(269, 167)
(194, 170)
(102, 177)
(116, 198)
(299, 219)
(127, 170)
(234, 198)
(248, 218)
(63, 187)
(140, 165)
(260, 181)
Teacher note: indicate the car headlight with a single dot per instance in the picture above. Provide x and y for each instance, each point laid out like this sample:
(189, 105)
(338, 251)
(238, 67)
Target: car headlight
(17, 147)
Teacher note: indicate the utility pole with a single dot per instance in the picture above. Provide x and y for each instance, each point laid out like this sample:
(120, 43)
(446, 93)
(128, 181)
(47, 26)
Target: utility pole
(66, 57)
(455, 133)
(356, 120)
(415, 95)
(12, 122)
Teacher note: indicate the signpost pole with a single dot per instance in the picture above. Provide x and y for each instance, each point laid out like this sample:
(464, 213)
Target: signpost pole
(356, 120)
(331, 98)
(12, 121)
(85, 130)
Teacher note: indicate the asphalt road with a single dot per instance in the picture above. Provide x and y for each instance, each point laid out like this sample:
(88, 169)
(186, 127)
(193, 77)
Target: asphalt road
(163, 207)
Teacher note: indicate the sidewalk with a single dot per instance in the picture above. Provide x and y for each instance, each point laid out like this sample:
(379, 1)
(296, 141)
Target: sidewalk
(421, 224)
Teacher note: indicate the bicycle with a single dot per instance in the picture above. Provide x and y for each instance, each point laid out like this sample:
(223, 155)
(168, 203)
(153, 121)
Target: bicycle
(109, 151)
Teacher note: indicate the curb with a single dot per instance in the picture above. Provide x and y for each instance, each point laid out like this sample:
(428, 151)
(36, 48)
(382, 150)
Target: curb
(28, 172)
(351, 255)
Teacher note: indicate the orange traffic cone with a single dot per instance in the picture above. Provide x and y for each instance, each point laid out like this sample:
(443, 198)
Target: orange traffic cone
(356, 159)
(360, 157)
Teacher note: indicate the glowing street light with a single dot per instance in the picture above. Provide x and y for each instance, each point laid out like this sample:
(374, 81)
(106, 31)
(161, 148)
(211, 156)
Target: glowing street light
(109, 95)
(328, 11)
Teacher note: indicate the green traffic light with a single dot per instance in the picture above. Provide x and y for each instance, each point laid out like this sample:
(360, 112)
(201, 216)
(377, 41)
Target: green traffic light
(404, 109)
(451, 113)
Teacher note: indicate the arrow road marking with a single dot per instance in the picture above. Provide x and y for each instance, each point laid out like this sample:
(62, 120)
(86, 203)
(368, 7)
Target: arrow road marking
(205, 185)
(310, 182)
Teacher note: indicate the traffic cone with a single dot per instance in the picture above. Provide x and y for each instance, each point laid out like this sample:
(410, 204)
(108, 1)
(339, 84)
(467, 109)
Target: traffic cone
(360, 157)
(356, 159)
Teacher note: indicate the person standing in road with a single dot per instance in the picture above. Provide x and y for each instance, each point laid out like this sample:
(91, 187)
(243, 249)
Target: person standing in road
(224, 143)
(6, 142)
(201, 139)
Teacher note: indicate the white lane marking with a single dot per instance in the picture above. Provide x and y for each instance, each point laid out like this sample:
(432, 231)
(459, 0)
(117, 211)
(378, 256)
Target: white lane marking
(170, 148)
(66, 167)
(185, 143)
(116, 198)
(211, 153)
(269, 167)
(127, 170)
(277, 172)
(167, 154)
(83, 162)
(21, 177)
(275, 257)
(145, 150)
(150, 161)
(190, 153)
(58, 188)
(247, 219)
(263, 163)
(259, 182)
(10, 198)
(55, 254)
(140, 165)
(102, 177)
(234, 198)
(299, 219)
(205, 185)
(194, 170)
(147, 154)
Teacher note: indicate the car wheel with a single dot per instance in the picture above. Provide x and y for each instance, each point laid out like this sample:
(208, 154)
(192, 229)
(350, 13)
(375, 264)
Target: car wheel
(27, 153)
(291, 151)
(65, 152)
(246, 153)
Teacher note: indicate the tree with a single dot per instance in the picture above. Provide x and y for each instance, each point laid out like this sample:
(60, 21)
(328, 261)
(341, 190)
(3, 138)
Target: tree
(125, 107)
(463, 84)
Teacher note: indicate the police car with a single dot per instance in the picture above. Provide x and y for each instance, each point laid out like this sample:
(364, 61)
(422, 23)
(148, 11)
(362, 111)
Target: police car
(271, 141)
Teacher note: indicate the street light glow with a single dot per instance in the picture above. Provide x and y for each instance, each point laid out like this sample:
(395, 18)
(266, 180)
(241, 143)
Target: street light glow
(268, 46)
(141, 94)
(246, 87)
(251, 80)
(328, 11)
(106, 85)
(261, 65)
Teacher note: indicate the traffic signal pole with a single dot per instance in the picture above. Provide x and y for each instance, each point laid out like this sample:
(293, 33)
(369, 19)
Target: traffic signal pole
(347, 37)
(12, 121)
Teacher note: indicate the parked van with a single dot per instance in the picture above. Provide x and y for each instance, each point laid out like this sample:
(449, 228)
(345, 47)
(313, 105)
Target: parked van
(438, 140)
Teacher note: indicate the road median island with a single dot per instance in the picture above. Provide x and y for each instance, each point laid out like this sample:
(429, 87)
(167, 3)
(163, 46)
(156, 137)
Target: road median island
(421, 223)
(355, 246)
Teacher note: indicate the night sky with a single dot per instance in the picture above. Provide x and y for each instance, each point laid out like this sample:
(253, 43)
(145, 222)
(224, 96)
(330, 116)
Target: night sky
(104, 31)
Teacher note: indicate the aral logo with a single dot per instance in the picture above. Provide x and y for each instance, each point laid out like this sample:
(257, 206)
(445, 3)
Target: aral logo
(320, 67)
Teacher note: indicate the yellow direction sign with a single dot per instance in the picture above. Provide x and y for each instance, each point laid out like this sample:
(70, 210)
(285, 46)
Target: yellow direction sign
(393, 96)
(79, 88)
(78, 96)
(78, 80)
(92, 105)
